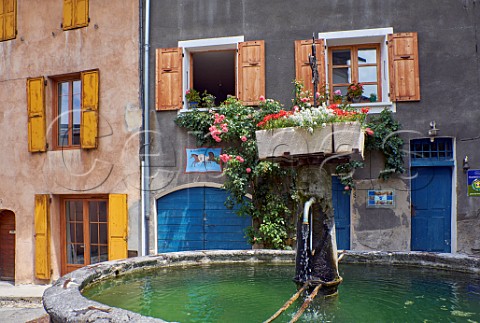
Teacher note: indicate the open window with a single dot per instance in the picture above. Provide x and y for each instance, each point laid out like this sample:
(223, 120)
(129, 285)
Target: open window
(385, 63)
(222, 67)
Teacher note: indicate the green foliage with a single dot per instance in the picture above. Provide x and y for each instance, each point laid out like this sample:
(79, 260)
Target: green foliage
(234, 125)
(386, 139)
(345, 173)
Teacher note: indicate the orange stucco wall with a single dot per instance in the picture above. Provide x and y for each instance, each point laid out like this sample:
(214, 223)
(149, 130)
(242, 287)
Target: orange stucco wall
(110, 44)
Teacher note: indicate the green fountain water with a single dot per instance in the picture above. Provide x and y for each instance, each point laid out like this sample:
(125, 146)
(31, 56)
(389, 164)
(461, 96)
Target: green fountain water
(251, 293)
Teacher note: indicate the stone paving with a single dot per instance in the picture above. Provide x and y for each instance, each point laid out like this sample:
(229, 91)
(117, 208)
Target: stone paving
(22, 303)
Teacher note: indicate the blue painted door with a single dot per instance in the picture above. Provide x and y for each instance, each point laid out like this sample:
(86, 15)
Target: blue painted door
(341, 207)
(431, 208)
(197, 219)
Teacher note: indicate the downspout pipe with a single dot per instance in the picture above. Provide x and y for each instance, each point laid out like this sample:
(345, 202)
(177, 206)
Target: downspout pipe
(306, 209)
(146, 130)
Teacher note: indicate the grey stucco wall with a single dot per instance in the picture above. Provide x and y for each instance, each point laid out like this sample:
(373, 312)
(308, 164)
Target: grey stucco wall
(449, 75)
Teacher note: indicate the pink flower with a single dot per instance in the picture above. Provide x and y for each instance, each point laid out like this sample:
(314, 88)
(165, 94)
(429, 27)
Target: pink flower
(240, 159)
(317, 95)
(262, 98)
(337, 92)
(369, 132)
(217, 139)
(248, 170)
(224, 158)
(187, 92)
(296, 108)
(346, 188)
(243, 138)
(304, 100)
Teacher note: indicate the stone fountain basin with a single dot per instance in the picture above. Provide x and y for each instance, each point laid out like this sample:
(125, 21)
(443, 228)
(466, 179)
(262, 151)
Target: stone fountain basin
(65, 303)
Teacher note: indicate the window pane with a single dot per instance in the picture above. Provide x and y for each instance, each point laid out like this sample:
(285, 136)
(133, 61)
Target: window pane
(93, 211)
(341, 57)
(94, 258)
(93, 233)
(63, 115)
(78, 211)
(103, 233)
(102, 210)
(71, 233)
(75, 254)
(103, 253)
(341, 75)
(79, 233)
(367, 74)
(370, 92)
(76, 106)
(367, 56)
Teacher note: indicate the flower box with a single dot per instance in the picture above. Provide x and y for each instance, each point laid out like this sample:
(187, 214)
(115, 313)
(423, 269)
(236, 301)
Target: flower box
(338, 138)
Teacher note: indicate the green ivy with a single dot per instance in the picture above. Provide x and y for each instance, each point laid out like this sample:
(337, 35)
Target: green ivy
(387, 140)
(244, 173)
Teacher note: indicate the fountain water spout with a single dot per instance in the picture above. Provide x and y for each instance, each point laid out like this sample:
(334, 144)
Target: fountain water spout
(306, 209)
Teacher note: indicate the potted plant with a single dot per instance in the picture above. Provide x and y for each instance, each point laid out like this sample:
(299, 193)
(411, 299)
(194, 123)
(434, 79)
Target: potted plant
(193, 98)
(355, 91)
(325, 129)
(208, 100)
(337, 97)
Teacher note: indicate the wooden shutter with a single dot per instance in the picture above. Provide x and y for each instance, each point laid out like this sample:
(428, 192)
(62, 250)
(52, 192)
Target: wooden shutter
(68, 6)
(117, 226)
(303, 72)
(403, 66)
(251, 71)
(89, 122)
(8, 19)
(81, 13)
(42, 236)
(169, 94)
(37, 140)
(75, 14)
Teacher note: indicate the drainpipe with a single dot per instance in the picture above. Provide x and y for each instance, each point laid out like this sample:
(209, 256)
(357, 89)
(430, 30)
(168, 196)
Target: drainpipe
(145, 164)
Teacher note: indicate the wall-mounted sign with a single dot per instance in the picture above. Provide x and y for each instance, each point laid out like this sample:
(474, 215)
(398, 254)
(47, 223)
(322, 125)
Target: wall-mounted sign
(381, 198)
(203, 160)
(473, 182)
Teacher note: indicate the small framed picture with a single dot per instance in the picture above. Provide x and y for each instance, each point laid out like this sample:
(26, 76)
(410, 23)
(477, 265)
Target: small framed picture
(203, 160)
(381, 198)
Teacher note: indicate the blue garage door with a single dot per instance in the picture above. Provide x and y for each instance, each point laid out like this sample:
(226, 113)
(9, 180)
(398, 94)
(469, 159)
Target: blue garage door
(197, 219)
(341, 207)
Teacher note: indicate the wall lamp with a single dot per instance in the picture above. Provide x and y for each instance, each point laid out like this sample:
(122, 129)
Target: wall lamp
(466, 166)
(433, 131)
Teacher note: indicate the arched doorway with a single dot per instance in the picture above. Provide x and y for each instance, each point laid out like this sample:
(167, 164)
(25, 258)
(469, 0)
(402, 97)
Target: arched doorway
(7, 245)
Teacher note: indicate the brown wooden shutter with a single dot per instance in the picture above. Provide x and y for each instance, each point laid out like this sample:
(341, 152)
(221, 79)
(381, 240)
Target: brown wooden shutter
(251, 71)
(303, 72)
(403, 66)
(89, 122)
(42, 236)
(37, 140)
(169, 94)
(8, 19)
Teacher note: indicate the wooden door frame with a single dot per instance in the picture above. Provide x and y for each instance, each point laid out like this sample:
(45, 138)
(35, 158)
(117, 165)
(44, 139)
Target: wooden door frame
(66, 268)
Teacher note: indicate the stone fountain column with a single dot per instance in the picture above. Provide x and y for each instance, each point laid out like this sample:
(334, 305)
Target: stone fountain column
(316, 258)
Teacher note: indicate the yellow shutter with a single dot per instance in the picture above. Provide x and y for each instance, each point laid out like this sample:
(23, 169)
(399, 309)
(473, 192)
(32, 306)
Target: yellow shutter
(81, 13)
(117, 226)
(251, 71)
(37, 140)
(303, 71)
(8, 19)
(168, 87)
(42, 236)
(89, 122)
(68, 14)
(403, 67)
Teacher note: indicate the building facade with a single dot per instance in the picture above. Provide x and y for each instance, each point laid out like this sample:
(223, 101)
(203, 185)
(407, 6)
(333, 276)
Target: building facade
(70, 174)
(417, 59)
